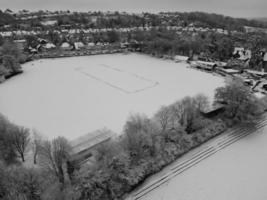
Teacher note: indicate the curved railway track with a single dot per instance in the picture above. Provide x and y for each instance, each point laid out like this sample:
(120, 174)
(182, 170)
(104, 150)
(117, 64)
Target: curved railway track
(229, 137)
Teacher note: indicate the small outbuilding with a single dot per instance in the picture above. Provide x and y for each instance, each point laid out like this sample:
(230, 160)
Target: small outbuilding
(49, 46)
(85, 146)
(78, 45)
(213, 111)
(228, 71)
(179, 58)
(65, 46)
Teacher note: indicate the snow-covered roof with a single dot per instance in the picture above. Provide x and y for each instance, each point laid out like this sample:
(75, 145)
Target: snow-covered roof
(65, 45)
(49, 22)
(91, 44)
(181, 58)
(78, 45)
(90, 140)
(20, 41)
(49, 46)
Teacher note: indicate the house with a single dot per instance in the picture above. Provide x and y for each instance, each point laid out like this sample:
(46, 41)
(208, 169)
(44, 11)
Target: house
(206, 65)
(78, 45)
(255, 73)
(49, 46)
(178, 58)
(229, 71)
(167, 57)
(85, 146)
(65, 46)
(91, 44)
(49, 22)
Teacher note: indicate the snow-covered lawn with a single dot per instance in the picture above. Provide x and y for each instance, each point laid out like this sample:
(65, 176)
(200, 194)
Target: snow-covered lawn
(236, 172)
(74, 96)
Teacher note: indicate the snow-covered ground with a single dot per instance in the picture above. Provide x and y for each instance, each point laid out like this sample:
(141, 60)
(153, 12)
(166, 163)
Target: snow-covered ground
(237, 172)
(74, 96)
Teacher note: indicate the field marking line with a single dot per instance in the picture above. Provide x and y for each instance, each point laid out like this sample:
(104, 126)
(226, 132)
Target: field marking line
(80, 70)
(130, 73)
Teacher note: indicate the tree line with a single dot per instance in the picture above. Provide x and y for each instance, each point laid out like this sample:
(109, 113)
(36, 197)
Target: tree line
(122, 19)
(10, 59)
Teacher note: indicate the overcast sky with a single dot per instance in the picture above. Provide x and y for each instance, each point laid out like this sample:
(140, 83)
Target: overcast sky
(236, 8)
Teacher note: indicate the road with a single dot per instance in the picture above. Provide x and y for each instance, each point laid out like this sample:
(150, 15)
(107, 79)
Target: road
(192, 159)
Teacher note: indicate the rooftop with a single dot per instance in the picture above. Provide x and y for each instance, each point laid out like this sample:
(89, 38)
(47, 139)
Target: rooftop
(91, 139)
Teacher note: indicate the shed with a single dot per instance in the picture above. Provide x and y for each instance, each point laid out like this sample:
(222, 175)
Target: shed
(179, 58)
(228, 71)
(85, 146)
(213, 110)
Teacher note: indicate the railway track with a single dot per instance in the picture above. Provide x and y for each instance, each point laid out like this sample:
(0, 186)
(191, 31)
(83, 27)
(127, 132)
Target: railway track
(229, 137)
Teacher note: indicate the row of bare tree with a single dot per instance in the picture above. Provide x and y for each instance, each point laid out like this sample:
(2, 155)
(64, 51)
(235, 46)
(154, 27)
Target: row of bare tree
(26, 157)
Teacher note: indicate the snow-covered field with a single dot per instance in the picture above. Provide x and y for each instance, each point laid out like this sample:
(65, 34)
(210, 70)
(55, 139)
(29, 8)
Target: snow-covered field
(74, 96)
(236, 172)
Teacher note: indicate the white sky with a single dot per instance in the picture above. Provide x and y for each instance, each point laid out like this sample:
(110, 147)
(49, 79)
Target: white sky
(237, 8)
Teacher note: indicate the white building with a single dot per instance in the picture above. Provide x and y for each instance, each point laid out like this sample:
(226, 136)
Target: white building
(65, 45)
(179, 58)
(49, 46)
(78, 45)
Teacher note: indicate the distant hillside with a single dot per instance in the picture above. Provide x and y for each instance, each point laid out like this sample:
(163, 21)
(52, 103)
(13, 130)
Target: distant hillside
(220, 21)
(198, 19)
(262, 19)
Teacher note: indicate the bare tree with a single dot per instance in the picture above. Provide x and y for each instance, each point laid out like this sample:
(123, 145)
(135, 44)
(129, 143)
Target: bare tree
(36, 144)
(202, 102)
(163, 116)
(177, 113)
(20, 140)
(53, 156)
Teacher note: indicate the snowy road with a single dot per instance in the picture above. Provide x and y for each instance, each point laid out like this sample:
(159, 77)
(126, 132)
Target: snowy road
(213, 172)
